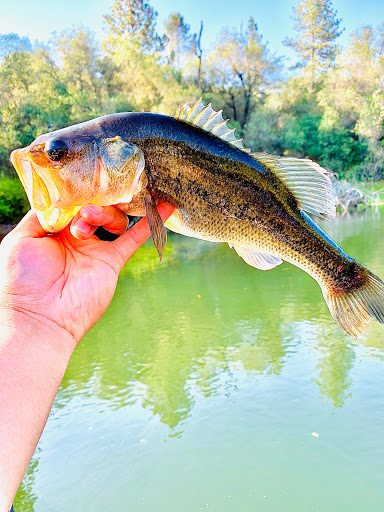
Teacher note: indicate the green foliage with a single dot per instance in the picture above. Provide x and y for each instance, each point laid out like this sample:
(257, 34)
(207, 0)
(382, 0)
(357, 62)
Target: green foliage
(13, 200)
(292, 122)
(352, 99)
(342, 151)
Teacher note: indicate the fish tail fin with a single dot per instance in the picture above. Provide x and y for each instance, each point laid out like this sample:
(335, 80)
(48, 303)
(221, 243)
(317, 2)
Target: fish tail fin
(353, 307)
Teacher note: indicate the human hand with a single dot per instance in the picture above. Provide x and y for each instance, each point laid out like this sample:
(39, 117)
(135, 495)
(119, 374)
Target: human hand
(68, 279)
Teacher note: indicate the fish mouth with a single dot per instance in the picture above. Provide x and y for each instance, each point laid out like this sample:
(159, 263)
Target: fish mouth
(33, 184)
(42, 192)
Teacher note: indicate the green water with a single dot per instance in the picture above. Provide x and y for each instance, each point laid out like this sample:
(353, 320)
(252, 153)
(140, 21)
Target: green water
(211, 386)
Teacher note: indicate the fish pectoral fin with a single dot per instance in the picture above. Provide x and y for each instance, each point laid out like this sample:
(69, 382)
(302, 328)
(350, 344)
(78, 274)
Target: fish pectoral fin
(156, 224)
(257, 259)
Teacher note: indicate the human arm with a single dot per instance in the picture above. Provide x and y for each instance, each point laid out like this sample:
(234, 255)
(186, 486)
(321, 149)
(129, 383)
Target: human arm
(52, 290)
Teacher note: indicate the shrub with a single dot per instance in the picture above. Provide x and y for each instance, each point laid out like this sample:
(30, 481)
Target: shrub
(13, 200)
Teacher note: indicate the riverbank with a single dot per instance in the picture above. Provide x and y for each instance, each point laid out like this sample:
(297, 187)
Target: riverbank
(358, 196)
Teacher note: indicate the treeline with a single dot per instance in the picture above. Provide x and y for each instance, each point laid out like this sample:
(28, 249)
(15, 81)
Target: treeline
(330, 107)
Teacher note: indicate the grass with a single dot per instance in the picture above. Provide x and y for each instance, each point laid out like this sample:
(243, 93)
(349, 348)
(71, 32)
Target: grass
(13, 200)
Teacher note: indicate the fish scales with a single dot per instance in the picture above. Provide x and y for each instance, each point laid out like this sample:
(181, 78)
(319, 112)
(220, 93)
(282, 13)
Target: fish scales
(256, 210)
(221, 193)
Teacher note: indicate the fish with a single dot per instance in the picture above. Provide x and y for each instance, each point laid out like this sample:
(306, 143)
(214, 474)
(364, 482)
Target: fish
(222, 192)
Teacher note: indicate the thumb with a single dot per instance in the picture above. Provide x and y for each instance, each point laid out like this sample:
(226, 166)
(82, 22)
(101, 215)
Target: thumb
(128, 243)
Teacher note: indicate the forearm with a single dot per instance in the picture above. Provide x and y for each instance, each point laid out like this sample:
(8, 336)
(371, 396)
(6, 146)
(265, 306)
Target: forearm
(34, 354)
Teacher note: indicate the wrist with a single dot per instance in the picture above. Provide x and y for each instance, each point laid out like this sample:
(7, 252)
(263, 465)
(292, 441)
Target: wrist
(34, 354)
(33, 327)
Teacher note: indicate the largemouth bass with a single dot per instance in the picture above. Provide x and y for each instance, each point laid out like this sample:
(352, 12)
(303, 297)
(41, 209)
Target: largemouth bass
(221, 192)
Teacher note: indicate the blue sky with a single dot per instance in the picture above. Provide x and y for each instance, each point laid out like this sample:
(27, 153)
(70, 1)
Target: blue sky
(39, 18)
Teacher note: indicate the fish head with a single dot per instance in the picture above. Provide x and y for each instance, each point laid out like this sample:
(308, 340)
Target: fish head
(63, 171)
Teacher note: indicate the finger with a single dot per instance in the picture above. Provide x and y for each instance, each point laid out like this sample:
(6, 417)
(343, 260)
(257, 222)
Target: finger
(81, 230)
(29, 227)
(92, 216)
(109, 217)
(128, 243)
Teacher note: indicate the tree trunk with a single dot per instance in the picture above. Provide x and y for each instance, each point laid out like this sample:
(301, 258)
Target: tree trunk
(199, 53)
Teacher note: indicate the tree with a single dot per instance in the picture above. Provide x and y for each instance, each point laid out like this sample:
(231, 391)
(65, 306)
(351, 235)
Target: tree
(239, 69)
(353, 97)
(292, 121)
(135, 22)
(317, 29)
(33, 100)
(199, 55)
(147, 84)
(142, 81)
(12, 42)
(79, 71)
(179, 39)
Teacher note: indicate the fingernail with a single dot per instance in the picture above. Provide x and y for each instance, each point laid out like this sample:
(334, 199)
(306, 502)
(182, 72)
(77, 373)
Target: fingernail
(94, 208)
(87, 231)
(83, 227)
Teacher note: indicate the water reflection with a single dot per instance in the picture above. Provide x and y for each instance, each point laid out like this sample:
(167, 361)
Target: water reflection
(336, 360)
(203, 315)
(26, 497)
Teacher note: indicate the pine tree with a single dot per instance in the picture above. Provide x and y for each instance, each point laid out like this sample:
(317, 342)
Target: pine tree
(134, 20)
(317, 28)
(179, 39)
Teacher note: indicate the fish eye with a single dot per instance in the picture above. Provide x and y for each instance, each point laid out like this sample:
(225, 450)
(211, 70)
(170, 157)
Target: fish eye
(55, 150)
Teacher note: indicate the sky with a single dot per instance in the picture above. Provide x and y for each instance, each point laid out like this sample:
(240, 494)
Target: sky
(39, 18)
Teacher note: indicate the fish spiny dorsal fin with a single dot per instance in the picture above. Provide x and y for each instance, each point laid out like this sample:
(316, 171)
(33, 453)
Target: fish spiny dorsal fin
(207, 119)
(309, 183)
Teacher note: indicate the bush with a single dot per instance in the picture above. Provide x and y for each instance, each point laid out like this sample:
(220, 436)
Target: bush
(13, 200)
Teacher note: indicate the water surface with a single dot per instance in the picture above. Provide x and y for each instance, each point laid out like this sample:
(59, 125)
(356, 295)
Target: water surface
(211, 386)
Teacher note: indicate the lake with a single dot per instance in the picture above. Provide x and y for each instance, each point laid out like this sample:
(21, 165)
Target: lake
(212, 386)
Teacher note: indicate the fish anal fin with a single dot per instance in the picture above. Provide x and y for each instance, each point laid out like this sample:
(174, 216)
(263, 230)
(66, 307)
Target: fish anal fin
(309, 183)
(156, 224)
(257, 259)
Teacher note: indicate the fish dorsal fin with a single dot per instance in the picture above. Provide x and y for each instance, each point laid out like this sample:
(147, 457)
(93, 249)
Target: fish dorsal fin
(207, 119)
(310, 184)
(256, 258)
